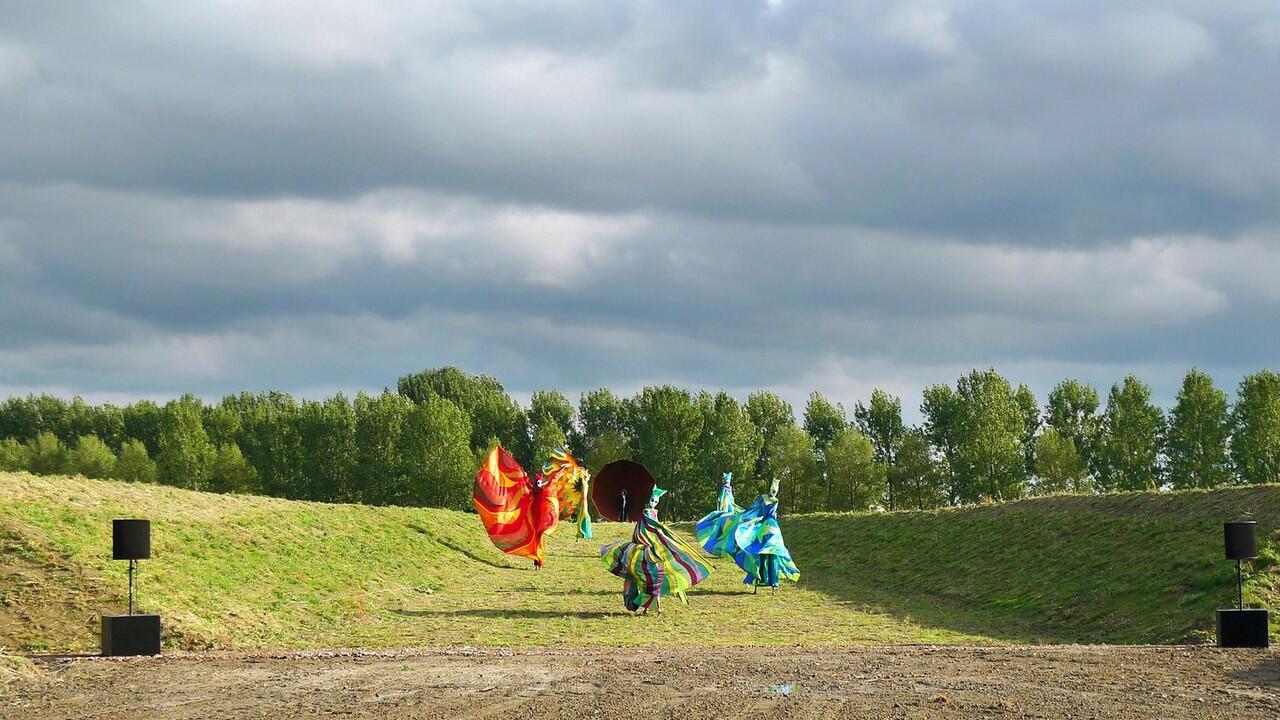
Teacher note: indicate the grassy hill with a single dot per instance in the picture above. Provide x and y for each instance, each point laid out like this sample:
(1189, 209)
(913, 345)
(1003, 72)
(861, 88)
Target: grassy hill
(243, 571)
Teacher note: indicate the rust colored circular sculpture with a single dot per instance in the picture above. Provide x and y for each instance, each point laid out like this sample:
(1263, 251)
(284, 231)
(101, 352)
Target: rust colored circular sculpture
(621, 489)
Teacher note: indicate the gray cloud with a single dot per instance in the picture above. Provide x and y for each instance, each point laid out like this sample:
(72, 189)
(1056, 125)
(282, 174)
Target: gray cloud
(208, 198)
(1080, 121)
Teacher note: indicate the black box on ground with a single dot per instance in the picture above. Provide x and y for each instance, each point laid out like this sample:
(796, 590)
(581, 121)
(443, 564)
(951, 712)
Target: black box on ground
(130, 635)
(1245, 628)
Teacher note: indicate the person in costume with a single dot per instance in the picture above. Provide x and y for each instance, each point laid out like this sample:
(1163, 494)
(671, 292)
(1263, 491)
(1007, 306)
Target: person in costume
(654, 562)
(712, 528)
(759, 547)
(517, 512)
(572, 486)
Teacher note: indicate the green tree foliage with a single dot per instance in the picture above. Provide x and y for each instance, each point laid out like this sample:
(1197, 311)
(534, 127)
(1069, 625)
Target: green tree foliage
(1127, 456)
(980, 440)
(270, 439)
(1058, 465)
(769, 414)
(943, 412)
(13, 455)
(881, 422)
(327, 434)
(547, 437)
(600, 412)
(91, 458)
(552, 405)
(551, 422)
(231, 472)
(1255, 445)
(855, 479)
(989, 461)
(729, 442)
(378, 423)
(1199, 432)
(186, 455)
(1072, 410)
(823, 421)
(793, 461)
(142, 422)
(222, 423)
(493, 413)
(24, 418)
(436, 461)
(135, 465)
(46, 454)
(77, 421)
(916, 475)
(108, 424)
(1030, 412)
(19, 418)
(606, 448)
(667, 427)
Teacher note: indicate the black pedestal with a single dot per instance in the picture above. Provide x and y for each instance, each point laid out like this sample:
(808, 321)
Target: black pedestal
(1245, 628)
(130, 635)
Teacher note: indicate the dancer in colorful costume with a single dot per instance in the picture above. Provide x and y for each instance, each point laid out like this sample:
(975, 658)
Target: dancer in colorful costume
(654, 562)
(754, 539)
(711, 529)
(516, 511)
(570, 482)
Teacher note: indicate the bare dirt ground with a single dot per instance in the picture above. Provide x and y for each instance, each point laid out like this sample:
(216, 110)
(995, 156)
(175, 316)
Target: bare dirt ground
(856, 682)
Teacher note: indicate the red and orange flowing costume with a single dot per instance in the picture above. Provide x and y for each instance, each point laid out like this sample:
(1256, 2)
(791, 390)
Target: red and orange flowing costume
(517, 512)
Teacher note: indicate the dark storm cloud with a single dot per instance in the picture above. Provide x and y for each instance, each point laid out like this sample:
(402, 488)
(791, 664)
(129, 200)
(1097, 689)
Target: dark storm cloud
(1078, 121)
(793, 195)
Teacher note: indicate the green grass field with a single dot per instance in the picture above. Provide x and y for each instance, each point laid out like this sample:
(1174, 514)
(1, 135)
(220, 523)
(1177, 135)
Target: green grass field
(252, 572)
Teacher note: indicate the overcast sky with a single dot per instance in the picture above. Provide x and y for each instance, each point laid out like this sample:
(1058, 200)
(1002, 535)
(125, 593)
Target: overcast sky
(788, 195)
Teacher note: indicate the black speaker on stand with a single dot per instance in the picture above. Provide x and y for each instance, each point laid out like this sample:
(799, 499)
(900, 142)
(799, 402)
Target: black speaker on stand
(130, 634)
(1242, 627)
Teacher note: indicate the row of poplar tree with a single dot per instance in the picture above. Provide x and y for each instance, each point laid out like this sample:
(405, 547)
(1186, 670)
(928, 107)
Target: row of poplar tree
(980, 440)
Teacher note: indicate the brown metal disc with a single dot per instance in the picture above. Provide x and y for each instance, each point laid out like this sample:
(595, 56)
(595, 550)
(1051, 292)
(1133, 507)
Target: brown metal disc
(608, 484)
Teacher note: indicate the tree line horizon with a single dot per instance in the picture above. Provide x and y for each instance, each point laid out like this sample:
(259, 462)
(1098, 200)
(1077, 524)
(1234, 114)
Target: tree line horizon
(980, 440)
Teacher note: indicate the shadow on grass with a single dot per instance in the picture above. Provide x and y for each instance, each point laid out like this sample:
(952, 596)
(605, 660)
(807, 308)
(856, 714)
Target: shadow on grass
(466, 551)
(511, 614)
(935, 612)
(860, 584)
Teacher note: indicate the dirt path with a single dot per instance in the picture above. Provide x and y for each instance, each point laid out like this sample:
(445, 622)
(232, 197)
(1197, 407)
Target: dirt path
(860, 682)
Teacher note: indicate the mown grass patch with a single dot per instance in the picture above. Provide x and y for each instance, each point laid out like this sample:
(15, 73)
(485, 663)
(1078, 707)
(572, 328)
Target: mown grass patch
(246, 572)
(1124, 568)
(252, 572)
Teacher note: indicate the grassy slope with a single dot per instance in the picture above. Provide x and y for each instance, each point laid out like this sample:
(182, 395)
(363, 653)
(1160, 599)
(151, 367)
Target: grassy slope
(243, 571)
(1126, 568)
(238, 571)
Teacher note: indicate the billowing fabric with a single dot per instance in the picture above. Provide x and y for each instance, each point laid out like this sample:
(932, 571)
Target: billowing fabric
(570, 483)
(516, 511)
(654, 562)
(759, 547)
(715, 530)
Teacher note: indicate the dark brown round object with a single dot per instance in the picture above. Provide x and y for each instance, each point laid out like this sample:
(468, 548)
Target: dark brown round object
(608, 484)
